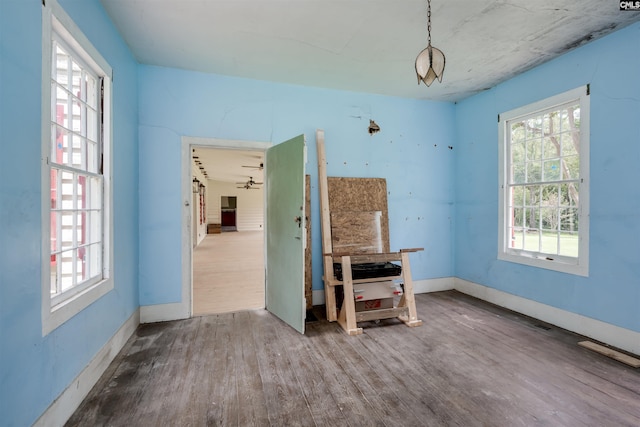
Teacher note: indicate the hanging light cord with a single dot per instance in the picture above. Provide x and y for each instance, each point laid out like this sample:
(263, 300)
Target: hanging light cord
(429, 21)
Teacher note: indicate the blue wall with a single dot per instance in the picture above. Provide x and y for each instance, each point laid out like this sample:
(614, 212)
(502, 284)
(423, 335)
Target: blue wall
(410, 152)
(611, 293)
(34, 370)
(445, 199)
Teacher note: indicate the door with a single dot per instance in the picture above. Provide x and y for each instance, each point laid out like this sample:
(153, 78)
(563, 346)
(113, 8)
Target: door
(285, 229)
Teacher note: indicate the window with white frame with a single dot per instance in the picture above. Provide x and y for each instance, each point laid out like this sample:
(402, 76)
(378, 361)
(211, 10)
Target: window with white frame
(544, 152)
(76, 174)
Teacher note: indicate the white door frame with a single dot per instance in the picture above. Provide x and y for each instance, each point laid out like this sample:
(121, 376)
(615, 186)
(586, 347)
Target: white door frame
(188, 143)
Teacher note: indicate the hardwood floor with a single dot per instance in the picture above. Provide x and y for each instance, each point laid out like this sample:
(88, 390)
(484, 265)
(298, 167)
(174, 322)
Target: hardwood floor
(228, 273)
(470, 364)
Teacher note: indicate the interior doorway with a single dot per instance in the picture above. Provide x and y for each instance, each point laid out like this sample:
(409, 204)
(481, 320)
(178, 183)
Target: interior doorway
(228, 213)
(227, 270)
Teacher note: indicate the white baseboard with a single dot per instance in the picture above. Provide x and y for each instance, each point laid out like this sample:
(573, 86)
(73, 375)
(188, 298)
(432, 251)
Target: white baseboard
(616, 336)
(164, 312)
(317, 297)
(433, 285)
(68, 401)
(607, 333)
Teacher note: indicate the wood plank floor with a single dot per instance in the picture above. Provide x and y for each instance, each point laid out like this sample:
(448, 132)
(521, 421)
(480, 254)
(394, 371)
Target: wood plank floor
(228, 273)
(470, 364)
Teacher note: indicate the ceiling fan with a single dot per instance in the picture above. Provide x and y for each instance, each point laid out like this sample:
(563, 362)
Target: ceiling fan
(260, 167)
(249, 184)
(249, 187)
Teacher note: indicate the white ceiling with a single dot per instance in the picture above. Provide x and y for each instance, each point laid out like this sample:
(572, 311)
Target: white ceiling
(235, 166)
(362, 45)
(358, 45)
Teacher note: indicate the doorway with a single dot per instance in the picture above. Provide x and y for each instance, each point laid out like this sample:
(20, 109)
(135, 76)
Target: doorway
(226, 270)
(284, 196)
(228, 213)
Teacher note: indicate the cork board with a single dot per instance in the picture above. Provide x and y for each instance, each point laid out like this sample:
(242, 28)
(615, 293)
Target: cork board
(349, 195)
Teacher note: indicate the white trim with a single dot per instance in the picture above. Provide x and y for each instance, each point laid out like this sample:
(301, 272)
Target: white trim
(70, 399)
(184, 309)
(55, 18)
(578, 266)
(616, 336)
(433, 285)
(164, 312)
(317, 297)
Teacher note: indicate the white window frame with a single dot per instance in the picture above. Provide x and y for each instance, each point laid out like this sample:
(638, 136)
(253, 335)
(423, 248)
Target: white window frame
(580, 265)
(57, 311)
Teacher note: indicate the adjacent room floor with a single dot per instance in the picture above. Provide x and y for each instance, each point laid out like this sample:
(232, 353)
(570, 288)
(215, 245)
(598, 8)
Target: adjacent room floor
(470, 364)
(228, 272)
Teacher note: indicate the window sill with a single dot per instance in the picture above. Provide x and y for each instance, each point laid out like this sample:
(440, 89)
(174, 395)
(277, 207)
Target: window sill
(539, 261)
(53, 317)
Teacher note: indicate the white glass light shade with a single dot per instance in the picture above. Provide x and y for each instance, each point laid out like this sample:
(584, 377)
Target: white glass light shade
(430, 65)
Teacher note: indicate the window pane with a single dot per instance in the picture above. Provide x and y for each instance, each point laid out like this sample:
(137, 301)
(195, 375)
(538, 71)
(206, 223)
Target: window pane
(550, 218)
(571, 167)
(569, 219)
(94, 227)
(549, 243)
(92, 124)
(534, 149)
(532, 218)
(66, 186)
(92, 157)
(574, 194)
(532, 129)
(569, 142)
(519, 174)
(517, 196)
(517, 238)
(517, 162)
(91, 86)
(532, 195)
(61, 64)
(55, 222)
(94, 192)
(93, 261)
(551, 170)
(568, 245)
(534, 172)
(76, 158)
(80, 227)
(66, 230)
(551, 147)
(55, 273)
(61, 112)
(518, 217)
(66, 260)
(78, 115)
(532, 241)
(79, 265)
(76, 79)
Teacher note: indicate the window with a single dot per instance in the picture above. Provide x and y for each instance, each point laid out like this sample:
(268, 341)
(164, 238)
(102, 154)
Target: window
(76, 172)
(544, 152)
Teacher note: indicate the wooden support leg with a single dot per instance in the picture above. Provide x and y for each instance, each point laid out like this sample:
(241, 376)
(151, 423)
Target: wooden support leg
(329, 291)
(408, 299)
(347, 317)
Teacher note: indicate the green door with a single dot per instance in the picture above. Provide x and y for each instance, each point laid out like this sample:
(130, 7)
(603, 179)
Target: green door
(285, 228)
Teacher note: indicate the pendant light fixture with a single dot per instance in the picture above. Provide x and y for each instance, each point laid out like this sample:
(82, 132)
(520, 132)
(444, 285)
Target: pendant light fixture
(430, 62)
